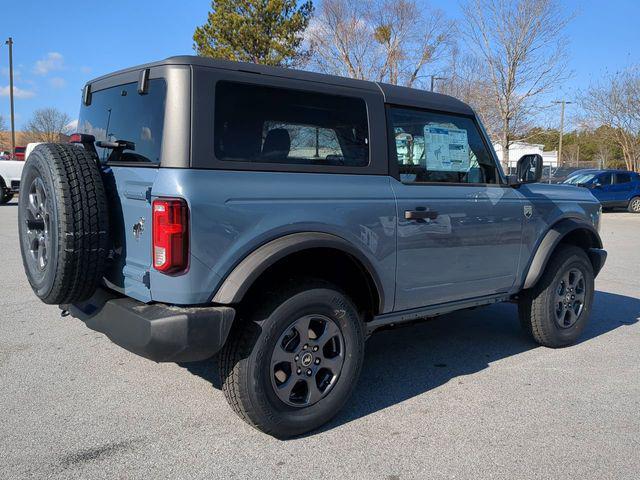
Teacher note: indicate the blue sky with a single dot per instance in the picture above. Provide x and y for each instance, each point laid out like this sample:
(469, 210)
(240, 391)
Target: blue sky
(57, 48)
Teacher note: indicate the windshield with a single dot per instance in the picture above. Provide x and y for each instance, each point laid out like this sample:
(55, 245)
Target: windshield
(580, 178)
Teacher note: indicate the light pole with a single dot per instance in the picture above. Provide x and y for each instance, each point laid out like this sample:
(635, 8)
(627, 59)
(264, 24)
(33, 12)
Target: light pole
(433, 79)
(13, 126)
(562, 103)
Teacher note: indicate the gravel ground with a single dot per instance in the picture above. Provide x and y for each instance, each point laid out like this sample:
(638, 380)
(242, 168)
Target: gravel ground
(463, 396)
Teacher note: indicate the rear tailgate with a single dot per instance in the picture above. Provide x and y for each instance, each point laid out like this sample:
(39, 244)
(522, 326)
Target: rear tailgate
(122, 113)
(129, 190)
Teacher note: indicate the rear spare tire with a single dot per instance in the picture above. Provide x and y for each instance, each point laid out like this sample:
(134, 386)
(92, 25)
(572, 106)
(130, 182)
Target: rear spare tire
(63, 223)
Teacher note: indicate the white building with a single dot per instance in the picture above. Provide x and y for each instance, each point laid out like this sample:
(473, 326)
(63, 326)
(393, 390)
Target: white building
(518, 149)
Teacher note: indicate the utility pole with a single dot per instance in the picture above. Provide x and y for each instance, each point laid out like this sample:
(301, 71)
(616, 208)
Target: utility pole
(13, 124)
(433, 79)
(562, 103)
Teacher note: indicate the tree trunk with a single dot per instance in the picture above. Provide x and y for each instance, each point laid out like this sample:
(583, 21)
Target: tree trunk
(505, 147)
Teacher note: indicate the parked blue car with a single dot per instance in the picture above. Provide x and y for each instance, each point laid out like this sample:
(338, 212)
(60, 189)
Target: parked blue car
(613, 188)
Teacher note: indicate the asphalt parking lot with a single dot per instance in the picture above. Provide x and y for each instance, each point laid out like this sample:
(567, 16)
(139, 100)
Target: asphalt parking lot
(463, 396)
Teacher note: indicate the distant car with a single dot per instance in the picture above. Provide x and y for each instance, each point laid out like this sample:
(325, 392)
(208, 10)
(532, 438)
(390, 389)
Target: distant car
(19, 153)
(560, 174)
(30, 147)
(10, 173)
(613, 188)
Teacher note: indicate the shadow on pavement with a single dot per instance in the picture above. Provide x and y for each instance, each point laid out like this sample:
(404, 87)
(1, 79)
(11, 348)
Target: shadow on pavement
(412, 360)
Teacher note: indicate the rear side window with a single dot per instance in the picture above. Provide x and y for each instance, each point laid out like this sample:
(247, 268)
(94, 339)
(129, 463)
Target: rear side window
(623, 178)
(121, 113)
(261, 124)
(440, 148)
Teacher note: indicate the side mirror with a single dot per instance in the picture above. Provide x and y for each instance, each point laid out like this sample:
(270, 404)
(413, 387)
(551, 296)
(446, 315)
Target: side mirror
(529, 168)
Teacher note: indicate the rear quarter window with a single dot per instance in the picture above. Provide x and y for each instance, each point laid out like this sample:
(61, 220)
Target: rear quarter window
(121, 113)
(270, 125)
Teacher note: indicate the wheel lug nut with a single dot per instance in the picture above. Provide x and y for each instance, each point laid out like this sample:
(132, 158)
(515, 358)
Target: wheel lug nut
(298, 371)
(315, 349)
(305, 346)
(296, 358)
(309, 372)
(317, 361)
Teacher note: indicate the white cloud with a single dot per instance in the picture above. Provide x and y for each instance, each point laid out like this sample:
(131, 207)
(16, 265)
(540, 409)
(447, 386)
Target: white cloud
(17, 72)
(85, 69)
(52, 62)
(57, 82)
(17, 92)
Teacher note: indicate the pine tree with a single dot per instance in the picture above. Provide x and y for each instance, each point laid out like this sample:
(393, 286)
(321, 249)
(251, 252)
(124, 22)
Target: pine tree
(269, 32)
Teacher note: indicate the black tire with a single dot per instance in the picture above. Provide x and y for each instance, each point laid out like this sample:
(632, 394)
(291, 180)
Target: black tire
(6, 195)
(249, 379)
(541, 308)
(634, 205)
(63, 238)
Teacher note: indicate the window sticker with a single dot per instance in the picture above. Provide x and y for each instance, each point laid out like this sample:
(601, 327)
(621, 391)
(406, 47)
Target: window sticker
(447, 149)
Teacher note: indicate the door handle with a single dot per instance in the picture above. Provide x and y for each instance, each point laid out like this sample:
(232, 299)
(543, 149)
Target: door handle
(420, 214)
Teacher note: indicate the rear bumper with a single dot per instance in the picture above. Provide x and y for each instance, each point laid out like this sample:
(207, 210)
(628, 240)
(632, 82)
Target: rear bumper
(159, 332)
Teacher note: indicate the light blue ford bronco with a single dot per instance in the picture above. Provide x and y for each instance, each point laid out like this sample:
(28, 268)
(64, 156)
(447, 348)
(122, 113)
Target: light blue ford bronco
(277, 218)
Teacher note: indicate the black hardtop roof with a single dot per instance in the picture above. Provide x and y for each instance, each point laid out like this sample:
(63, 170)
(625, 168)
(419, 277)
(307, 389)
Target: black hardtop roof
(393, 94)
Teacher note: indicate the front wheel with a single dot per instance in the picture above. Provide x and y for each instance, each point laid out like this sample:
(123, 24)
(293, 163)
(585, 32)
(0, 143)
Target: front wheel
(555, 311)
(634, 205)
(294, 362)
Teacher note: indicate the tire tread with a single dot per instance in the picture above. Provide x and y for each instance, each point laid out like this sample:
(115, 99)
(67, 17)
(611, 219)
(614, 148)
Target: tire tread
(83, 224)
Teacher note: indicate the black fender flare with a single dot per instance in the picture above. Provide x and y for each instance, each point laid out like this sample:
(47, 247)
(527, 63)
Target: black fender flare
(238, 282)
(550, 241)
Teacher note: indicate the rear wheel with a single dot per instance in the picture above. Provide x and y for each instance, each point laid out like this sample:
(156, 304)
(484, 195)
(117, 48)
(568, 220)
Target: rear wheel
(634, 205)
(294, 362)
(556, 310)
(63, 223)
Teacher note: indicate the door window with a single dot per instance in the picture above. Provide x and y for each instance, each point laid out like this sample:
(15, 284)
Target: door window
(434, 147)
(604, 179)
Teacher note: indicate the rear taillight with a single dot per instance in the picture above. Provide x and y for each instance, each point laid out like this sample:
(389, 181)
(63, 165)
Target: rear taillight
(170, 235)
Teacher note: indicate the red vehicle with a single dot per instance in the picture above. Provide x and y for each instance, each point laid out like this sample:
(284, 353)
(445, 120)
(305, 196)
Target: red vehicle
(19, 153)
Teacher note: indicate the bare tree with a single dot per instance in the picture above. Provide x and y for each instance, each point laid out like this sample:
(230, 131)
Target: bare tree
(616, 103)
(603, 154)
(381, 40)
(411, 38)
(522, 45)
(466, 77)
(47, 125)
(3, 128)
